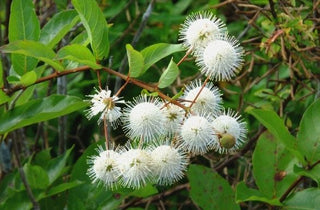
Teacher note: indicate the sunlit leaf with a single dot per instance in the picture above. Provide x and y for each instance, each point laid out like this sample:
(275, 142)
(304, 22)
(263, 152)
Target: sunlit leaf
(57, 27)
(39, 110)
(136, 62)
(169, 75)
(95, 24)
(23, 25)
(33, 49)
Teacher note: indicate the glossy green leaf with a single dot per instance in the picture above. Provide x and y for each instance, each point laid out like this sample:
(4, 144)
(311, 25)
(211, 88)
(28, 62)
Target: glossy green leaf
(156, 52)
(33, 49)
(39, 110)
(23, 25)
(273, 166)
(209, 190)
(3, 97)
(169, 75)
(243, 193)
(145, 191)
(135, 60)
(314, 173)
(55, 166)
(308, 199)
(63, 187)
(28, 78)
(36, 176)
(78, 53)
(95, 24)
(57, 27)
(308, 137)
(275, 125)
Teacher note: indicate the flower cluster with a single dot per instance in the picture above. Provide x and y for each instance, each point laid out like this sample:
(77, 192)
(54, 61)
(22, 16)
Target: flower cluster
(162, 135)
(218, 54)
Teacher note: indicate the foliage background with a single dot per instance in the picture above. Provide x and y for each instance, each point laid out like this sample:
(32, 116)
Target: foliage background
(43, 151)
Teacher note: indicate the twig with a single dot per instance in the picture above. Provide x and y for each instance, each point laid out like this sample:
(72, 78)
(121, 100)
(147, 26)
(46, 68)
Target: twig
(135, 39)
(22, 174)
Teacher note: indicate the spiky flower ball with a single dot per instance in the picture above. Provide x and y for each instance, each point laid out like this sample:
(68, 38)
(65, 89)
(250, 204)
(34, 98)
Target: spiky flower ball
(221, 58)
(199, 29)
(174, 117)
(208, 101)
(197, 135)
(144, 119)
(134, 167)
(102, 102)
(231, 132)
(103, 168)
(168, 164)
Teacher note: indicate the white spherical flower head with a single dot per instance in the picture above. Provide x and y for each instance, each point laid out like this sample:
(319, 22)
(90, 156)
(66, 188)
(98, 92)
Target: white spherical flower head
(208, 101)
(102, 102)
(103, 168)
(168, 164)
(197, 135)
(144, 119)
(174, 117)
(221, 58)
(231, 132)
(134, 167)
(200, 28)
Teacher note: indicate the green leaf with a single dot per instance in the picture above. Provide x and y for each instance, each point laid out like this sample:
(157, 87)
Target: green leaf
(28, 78)
(63, 187)
(19, 201)
(78, 53)
(36, 176)
(169, 75)
(3, 97)
(95, 24)
(243, 193)
(23, 25)
(136, 62)
(33, 49)
(314, 173)
(39, 110)
(272, 166)
(57, 27)
(308, 137)
(275, 125)
(156, 52)
(307, 199)
(209, 190)
(56, 166)
(144, 192)
(1, 74)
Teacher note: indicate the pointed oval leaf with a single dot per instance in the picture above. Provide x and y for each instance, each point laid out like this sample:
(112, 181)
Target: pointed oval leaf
(28, 78)
(275, 125)
(209, 190)
(57, 27)
(273, 166)
(33, 49)
(23, 25)
(95, 24)
(307, 199)
(39, 110)
(36, 176)
(308, 136)
(169, 75)
(243, 193)
(78, 53)
(136, 62)
(156, 52)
